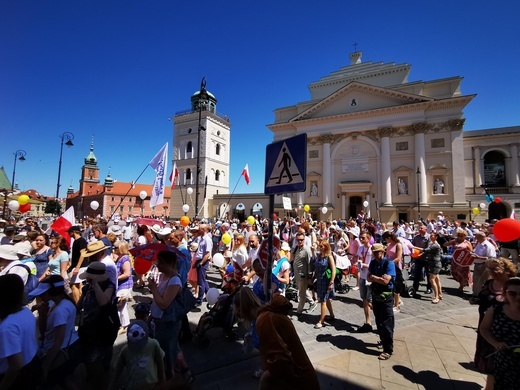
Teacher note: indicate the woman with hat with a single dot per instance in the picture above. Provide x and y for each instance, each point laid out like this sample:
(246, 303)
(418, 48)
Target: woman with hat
(99, 321)
(56, 321)
(19, 363)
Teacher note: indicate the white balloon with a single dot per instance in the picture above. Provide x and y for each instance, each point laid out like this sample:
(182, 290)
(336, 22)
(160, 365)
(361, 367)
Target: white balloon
(94, 205)
(324, 210)
(212, 296)
(189, 190)
(365, 203)
(14, 205)
(185, 208)
(482, 205)
(218, 260)
(143, 195)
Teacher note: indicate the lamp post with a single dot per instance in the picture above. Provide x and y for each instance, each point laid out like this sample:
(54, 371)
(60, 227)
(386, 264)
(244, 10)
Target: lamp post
(203, 96)
(18, 155)
(419, 192)
(67, 137)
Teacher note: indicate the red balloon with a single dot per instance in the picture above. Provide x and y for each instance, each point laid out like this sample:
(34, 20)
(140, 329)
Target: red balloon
(24, 208)
(142, 266)
(498, 200)
(507, 229)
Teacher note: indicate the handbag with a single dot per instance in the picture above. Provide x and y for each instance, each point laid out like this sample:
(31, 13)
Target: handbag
(181, 305)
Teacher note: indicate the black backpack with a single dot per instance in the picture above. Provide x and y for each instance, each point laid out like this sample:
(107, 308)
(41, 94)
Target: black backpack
(32, 282)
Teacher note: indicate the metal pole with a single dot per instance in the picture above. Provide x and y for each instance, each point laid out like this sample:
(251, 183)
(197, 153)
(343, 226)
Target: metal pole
(202, 94)
(69, 137)
(18, 155)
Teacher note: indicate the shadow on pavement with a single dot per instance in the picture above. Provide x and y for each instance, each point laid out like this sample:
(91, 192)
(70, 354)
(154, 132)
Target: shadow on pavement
(348, 343)
(431, 380)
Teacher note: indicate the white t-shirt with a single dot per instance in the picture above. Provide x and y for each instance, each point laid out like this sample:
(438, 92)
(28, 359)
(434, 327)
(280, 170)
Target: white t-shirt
(365, 256)
(18, 334)
(240, 256)
(173, 281)
(111, 270)
(63, 314)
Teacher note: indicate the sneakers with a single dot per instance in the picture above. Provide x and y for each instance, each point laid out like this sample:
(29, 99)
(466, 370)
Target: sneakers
(319, 325)
(429, 291)
(396, 309)
(355, 288)
(312, 307)
(365, 328)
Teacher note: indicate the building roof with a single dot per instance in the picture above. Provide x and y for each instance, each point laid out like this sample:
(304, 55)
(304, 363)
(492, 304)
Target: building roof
(4, 181)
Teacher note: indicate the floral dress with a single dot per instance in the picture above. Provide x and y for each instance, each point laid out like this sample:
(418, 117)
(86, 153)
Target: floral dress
(507, 363)
(322, 282)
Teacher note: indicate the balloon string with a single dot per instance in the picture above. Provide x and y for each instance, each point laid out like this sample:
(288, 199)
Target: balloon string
(227, 205)
(127, 192)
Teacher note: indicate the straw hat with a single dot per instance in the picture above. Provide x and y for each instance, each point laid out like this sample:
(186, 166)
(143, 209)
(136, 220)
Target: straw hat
(93, 248)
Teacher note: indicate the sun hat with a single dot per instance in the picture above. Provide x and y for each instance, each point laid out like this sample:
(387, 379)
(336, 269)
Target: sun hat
(377, 247)
(137, 335)
(285, 246)
(93, 248)
(115, 229)
(234, 226)
(8, 252)
(194, 246)
(354, 230)
(156, 228)
(165, 231)
(46, 284)
(23, 251)
(95, 271)
(228, 254)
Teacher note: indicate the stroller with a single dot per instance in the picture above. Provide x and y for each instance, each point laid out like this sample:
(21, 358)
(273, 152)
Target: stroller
(343, 265)
(220, 315)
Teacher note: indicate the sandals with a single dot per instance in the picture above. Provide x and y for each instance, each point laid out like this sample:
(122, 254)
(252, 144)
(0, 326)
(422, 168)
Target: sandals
(384, 356)
(319, 325)
(435, 300)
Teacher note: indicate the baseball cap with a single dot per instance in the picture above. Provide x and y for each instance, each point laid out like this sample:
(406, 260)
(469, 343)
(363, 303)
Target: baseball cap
(137, 335)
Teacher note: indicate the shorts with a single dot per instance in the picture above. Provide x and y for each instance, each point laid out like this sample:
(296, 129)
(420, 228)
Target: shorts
(364, 290)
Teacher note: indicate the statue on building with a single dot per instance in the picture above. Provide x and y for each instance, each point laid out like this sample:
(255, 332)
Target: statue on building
(401, 185)
(438, 187)
(314, 189)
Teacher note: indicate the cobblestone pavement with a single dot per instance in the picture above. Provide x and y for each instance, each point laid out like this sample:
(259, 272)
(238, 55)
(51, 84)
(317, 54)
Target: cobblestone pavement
(434, 346)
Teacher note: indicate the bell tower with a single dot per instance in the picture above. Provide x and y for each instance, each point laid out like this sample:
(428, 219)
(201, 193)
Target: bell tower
(201, 138)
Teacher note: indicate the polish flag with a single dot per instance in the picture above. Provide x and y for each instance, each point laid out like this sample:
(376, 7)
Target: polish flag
(245, 173)
(64, 223)
(173, 175)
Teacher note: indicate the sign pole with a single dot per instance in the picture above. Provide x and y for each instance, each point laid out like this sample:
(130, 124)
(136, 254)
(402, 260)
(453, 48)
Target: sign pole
(269, 271)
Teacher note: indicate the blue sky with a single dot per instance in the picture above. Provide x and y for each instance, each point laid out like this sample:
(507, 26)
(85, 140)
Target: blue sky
(117, 70)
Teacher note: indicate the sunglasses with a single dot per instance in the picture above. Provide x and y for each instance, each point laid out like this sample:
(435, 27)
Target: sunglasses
(301, 239)
(513, 293)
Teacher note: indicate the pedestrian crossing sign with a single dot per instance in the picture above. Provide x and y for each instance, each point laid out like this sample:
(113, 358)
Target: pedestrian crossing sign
(286, 165)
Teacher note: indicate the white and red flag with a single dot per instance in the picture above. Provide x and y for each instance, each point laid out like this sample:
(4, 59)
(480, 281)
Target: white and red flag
(63, 223)
(160, 164)
(174, 175)
(245, 173)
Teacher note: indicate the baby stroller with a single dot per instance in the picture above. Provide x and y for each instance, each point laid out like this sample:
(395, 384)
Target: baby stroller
(220, 315)
(291, 291)
(343, 264)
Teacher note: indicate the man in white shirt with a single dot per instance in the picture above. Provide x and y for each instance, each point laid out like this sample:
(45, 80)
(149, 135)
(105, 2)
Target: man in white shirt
(483, 250)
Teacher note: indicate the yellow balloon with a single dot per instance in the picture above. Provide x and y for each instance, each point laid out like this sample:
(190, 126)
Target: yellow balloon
(226, 238)
(306, 208)
(251, 220)
(23, 199)
(476, 210)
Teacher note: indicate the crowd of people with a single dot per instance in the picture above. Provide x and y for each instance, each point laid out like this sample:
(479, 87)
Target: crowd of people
(79, 294)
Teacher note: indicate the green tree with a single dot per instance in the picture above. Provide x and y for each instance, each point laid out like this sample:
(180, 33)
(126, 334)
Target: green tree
(52, 207)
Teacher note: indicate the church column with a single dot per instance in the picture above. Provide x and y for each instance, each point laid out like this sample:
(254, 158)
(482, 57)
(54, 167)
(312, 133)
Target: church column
(420, 157)
(514, 165)
(343, 206)
(367, 199)
(386, 185)
(327, 169)
(477, 167)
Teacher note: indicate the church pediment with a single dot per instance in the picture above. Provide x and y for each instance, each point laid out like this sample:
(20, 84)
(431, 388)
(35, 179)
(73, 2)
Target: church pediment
(356, 97)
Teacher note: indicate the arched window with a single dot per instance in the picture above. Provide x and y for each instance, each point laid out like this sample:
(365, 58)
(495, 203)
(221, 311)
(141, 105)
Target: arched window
(188, 175)
(217, 175)
(217, 150)
(495, 169)
(189, 147)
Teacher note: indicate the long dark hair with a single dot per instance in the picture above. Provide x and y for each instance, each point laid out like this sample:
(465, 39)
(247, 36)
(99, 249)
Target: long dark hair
(11, 295)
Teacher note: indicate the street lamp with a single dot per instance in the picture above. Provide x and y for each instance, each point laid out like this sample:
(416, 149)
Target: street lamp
(18, 155)
(68, 137)
(203, 96)
(419, 192)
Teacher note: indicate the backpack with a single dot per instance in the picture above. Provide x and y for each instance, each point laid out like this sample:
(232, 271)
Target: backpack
(181, 305)
(31, 284)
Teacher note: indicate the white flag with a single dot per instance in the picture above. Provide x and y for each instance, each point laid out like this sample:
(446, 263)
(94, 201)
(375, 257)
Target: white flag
(160, 164)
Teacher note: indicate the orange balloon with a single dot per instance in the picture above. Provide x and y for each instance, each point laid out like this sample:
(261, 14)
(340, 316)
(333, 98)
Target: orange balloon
(415, 253)
(185, 220)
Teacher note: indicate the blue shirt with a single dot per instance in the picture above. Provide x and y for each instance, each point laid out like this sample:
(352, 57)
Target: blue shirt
(380, 268)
